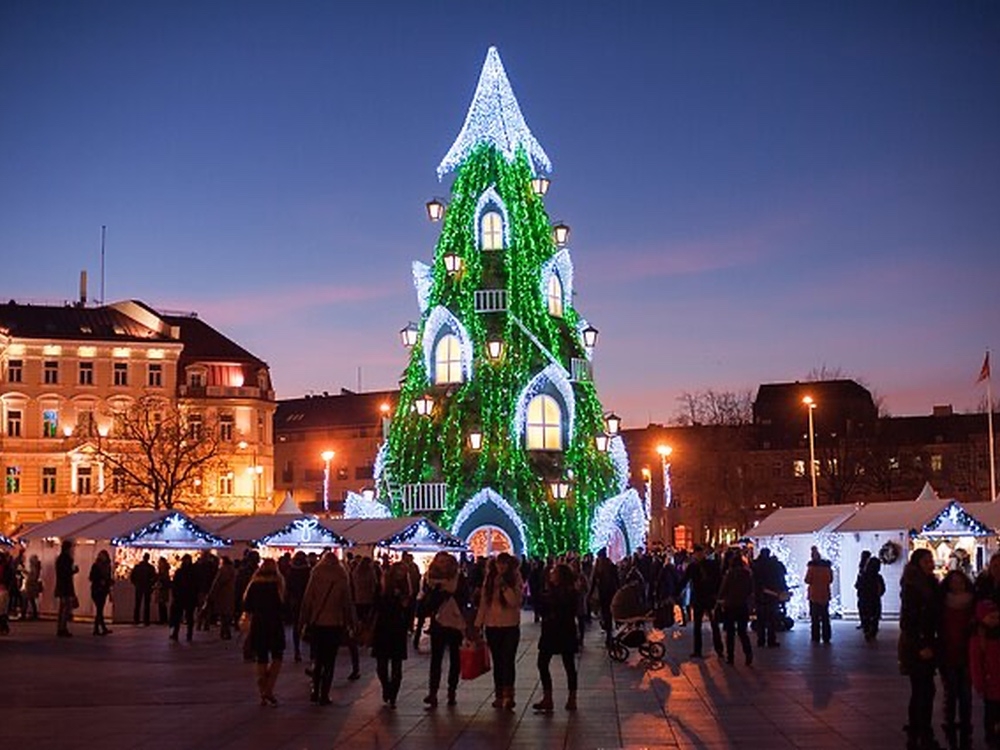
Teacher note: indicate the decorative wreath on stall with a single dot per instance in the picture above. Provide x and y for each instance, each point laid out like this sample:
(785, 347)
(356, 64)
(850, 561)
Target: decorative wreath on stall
(889, 553)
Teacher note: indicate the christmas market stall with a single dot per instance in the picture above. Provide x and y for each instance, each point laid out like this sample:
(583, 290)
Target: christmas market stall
(892, 530)
(6, 541)
(272, 535)
(790, 534)
(127, 535)
(393, 536)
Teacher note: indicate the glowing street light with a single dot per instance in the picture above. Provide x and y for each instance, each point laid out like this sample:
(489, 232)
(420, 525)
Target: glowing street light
(560, 233)
(602, 442)
(614, 423)
(435, 209)
(589, 337)
(540, 185)
(327, 457)
(494, 349)
(808, 401)
(452, 263)
(408, 335)
(559, 489)
(424, 405)
(476, 439)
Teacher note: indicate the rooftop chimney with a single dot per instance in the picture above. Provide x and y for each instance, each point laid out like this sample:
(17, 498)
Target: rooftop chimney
(943, 411)
(83, 288)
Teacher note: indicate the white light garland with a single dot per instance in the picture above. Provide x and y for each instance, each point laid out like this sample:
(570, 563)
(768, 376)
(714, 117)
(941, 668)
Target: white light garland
(556, 376)
(302, 532)
(619, 459)
(624, 511)
(441, 318)
(173, 529)
(423, 282)
(360, 506)
(381, 456)
(494, 117)
(490, 199)
(560, 264)
(485, 496)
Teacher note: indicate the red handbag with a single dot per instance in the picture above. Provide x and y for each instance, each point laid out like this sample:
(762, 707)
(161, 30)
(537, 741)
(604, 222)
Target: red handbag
(474, 658)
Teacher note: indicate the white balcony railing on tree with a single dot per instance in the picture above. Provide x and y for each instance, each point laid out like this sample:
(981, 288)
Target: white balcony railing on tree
(491, 300)
(429, 496)
(581, 369)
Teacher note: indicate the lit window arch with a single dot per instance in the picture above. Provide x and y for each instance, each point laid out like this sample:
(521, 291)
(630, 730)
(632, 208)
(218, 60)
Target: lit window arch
(491, 230)
(554, 296)
(448, 360)
(543, 424)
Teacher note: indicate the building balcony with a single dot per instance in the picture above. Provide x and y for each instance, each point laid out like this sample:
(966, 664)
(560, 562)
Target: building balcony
(225, 391)
(425, 497)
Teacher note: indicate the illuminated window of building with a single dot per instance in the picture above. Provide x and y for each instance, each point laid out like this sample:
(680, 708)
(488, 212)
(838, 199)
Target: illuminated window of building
(799, 468)
(154, 375)
(543, 427)
(48, 480)
(196, 379)
(194, 426)
(491, 230)
(50, 423)
(86, 373)
(13, 484)
(118, 483)
(937, 462)
(13, 423)
(15, 371)
(226, 427)
(226, 484)
(121, 373)
(50, 372)
(86, 425)
(83, 480)
(448, 360)
(555, 296)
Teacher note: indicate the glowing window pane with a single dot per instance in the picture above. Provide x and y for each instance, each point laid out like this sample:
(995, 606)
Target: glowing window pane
(491, 229)
(448, 360)
(543, 427)
(555, 296)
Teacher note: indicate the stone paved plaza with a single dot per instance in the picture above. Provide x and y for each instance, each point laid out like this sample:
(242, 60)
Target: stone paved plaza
(135, 689)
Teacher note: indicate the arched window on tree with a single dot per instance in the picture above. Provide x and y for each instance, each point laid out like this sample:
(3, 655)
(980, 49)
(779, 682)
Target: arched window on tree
(543, 426)
(555, 296)
(448, 360)
(491, 230)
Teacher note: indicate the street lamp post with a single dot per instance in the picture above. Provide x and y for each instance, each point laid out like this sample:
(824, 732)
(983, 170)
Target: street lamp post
(327, 457)
(808, 401)
(664, 451)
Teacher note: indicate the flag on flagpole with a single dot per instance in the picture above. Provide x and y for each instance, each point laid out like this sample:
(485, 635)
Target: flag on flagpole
(984, 374)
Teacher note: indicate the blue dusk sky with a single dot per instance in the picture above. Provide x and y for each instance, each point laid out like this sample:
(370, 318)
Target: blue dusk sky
(756, 189)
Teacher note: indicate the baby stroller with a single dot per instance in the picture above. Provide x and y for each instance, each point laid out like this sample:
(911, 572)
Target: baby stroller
(631, 623)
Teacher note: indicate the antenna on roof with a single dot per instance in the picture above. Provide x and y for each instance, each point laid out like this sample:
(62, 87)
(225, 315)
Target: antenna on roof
(359, 378)
(104, 231)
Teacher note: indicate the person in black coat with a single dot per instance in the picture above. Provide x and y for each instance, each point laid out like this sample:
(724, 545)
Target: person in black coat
(65, 589)
(919, 614)
(264, 602)
(558, 604)
(295, 588)
(392, 620)
(100, 589)
(735, 594)
(184, 598)
(143, 577)
(871, 588)
(704, 577)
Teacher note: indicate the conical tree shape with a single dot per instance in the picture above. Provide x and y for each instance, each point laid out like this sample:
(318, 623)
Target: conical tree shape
(505, 295)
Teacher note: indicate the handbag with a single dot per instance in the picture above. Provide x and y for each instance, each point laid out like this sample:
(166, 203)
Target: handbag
(75, 602)
(450, 616)
(474, 658)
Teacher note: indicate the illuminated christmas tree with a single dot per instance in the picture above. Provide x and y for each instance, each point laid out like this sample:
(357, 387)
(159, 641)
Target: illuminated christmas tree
(498, 425)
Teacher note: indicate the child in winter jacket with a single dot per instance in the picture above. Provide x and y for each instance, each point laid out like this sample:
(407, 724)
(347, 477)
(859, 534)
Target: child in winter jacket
(984, 664)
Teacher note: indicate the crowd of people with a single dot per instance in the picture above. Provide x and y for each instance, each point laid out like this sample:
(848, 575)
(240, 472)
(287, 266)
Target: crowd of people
(949, 627)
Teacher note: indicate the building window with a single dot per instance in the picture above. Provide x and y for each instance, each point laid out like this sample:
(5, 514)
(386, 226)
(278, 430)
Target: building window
(50, 423)
(799, 468)
(86, 373)
(83, 480)
(448, 360)
(288, 473)
(50, 372)
(226, 427)
(48, 480)
(194, 426)
(491, 230)
(121, 373)
(555, 296)
(196, 379)
(342, 474)
(85, 423)
(363, 472)
(13, 423)
(118, 483)
(937, 462)
(154, 376)
(226, 484)
(15, 371)
(13, 480)
(313, 475)
(544, 424)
